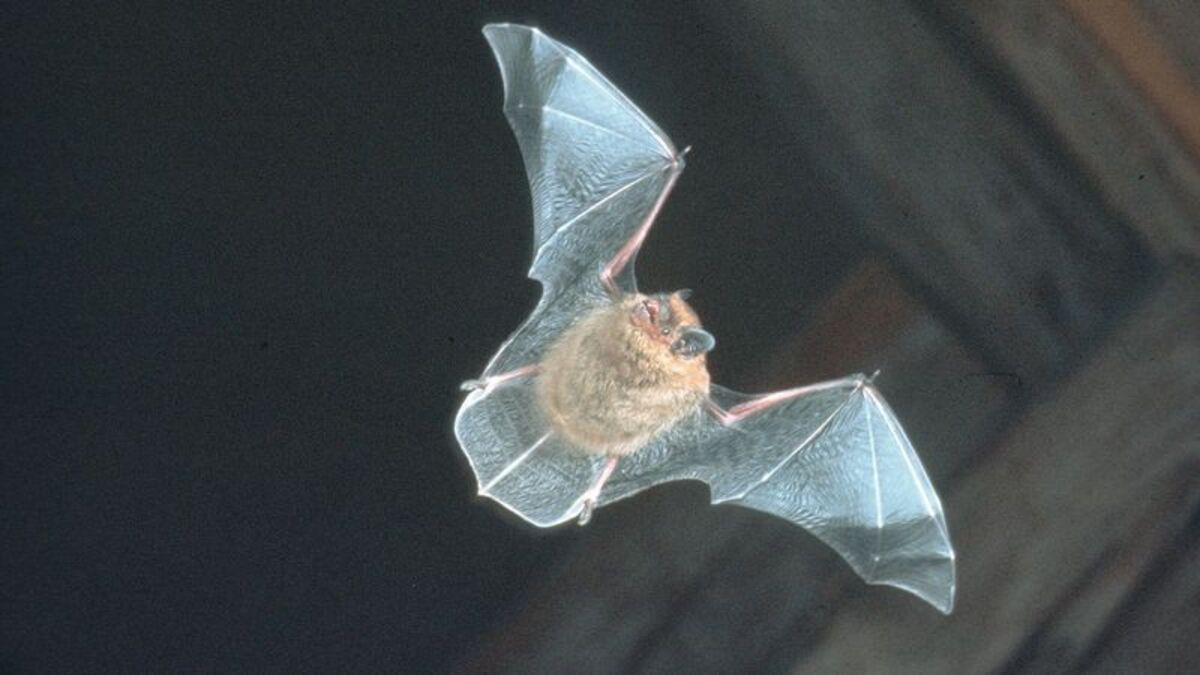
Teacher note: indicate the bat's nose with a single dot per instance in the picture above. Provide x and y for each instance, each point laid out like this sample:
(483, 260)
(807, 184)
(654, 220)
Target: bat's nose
(693, 341)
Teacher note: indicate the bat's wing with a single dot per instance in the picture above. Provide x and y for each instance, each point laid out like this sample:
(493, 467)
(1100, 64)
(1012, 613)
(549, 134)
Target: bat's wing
(833, 459)
(599, 170)
(517, 461)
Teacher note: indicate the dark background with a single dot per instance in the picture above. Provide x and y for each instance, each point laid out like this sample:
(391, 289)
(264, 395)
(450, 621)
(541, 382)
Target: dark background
(252, 253)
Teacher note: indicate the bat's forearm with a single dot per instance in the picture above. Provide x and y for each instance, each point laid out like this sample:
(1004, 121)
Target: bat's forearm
(758, 404)
(614, 267)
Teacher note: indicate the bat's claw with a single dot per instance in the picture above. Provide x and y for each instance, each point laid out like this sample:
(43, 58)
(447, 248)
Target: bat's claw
(585, 515)
(493, 380)
(607, 281)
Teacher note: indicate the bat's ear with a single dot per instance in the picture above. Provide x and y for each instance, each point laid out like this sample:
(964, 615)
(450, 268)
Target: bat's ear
(693, 341)
(683, 293)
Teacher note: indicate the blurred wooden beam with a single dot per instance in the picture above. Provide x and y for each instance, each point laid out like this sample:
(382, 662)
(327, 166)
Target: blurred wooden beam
(1056, 528)
(1157, 632)
(1176, 24)
(952, 173)
(1087, 615)
(1114, 91)
(1131, 42)
(872, 322)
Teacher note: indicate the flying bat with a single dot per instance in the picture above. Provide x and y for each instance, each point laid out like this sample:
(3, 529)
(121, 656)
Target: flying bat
(604, 391)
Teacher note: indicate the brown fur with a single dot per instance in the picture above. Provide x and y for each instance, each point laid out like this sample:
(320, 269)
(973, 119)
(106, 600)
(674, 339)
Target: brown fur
(611, 382)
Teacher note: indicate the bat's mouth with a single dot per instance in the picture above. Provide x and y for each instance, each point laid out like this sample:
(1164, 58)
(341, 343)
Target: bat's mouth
(693, 342)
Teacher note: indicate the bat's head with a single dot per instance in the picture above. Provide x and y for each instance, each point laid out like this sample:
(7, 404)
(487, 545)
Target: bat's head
(667, 321)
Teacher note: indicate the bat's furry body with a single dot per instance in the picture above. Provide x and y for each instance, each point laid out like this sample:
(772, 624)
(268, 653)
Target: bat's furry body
(604, 392)
(609, 385)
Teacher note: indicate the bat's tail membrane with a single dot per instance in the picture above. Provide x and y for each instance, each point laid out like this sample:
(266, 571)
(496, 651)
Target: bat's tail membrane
(517, 461)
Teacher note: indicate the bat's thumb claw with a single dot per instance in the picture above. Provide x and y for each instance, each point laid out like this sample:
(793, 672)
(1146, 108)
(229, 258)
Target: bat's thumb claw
(472, 385)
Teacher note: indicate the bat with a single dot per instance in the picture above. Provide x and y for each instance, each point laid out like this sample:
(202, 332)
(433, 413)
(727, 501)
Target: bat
(604, 391)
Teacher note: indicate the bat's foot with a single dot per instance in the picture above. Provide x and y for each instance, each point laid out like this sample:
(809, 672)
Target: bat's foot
(593, 493)
(589, 505)
(489, 382)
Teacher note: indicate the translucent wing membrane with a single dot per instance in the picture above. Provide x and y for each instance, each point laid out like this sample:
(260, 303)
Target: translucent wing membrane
(596, 164)
(859, 486)
(730, 459)
(553, 315)
(517, 461)
(834, 461)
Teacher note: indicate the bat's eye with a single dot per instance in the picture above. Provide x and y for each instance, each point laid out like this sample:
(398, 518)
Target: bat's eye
(666, 331)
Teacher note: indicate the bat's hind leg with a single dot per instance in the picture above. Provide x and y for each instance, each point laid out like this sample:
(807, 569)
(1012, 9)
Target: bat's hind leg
(593, 493)
(493, 380)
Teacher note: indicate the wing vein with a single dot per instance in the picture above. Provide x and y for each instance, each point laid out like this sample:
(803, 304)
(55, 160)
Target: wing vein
(878, 492)
(615, 94)
(902, 442)
(515, 463)
(803, 444)
(574, 219)
(576, 118)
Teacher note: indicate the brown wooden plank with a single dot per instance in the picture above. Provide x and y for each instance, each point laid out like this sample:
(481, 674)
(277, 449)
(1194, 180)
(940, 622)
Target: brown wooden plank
(1049, 519)
(1119, 139)
(1141, 54)
(1084, 619)
(873, 323)
(1177, 24)
(952, 172)
(1158, 632)
(665, 581)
